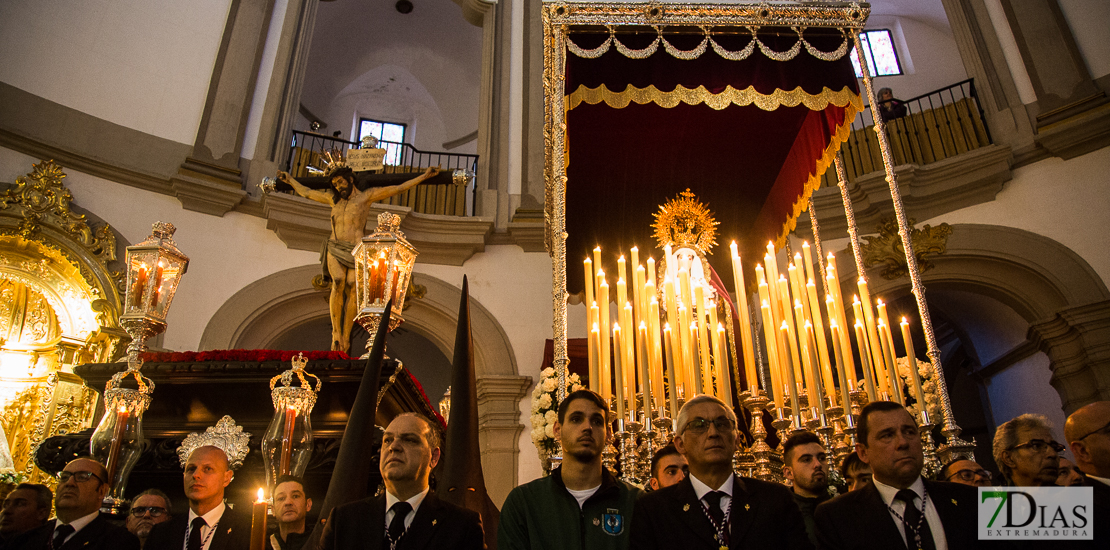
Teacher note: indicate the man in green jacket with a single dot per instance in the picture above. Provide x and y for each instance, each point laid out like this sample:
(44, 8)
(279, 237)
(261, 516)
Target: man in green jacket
(580, 505)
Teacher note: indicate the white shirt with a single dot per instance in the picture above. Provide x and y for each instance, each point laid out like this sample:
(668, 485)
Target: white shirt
(415, 501)
(701, 489)
(935, 526)
(582, 495)
(211, 518)
(77, 524)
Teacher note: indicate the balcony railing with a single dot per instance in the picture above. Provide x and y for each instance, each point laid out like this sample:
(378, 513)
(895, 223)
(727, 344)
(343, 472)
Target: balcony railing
(400, 158)
(936, 126)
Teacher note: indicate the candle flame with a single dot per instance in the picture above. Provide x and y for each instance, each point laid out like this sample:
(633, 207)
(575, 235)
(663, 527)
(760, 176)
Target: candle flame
(784, 326)
(666, 327)
(643, 325)
(597, 248)
(616, 327)
(904, 322)
(261, 495)
(596, 328)
(123, 408)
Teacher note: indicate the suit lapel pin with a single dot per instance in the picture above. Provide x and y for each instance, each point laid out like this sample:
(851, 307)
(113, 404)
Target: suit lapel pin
(229, 530)
(954, 502)
(434, 521)
(685, 507)
(747, 507)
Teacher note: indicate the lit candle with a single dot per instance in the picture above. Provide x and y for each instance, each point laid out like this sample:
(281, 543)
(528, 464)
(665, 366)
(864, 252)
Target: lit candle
(689, 373)
(808, 262)
(645, 374)
(668, 344)
(651, 272)
(832, 281)
(772, 351)
(845, 388)
(791, 382)
(629, 339)
(139, 286)
(724, 377)
(157, 285)
(618, 371)
(597, 258)
(699, 377)
(872, 331)
(605, 356)
(911, 357)
(868, 379)
(258, 522)
(872, 347)
(639, 300)
(592, 320)
(119, 432)
(819, 342)
(656, 351)
(673, 320)
(704, 338)
(791, 342)
(745, 321)
(894, 379)
(817, 391)
(285, 464)
(588, 281)
(809, 370)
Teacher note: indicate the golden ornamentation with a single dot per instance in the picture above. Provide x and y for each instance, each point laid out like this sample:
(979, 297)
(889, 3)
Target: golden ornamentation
(841, 15)
(700, 49)
(886, 249)
(685, 222)
(54, 405)
(728, 97)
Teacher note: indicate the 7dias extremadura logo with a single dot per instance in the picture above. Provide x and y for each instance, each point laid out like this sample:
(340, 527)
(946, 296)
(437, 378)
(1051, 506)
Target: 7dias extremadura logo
(1036, 513)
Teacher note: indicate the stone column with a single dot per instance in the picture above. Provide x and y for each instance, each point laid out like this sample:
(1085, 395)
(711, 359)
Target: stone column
(1077, 340)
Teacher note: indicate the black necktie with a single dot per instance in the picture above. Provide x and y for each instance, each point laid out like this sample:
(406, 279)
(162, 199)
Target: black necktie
(60, 535)
(713, 499)
(194, 533)
(915, 539)
(397, 525)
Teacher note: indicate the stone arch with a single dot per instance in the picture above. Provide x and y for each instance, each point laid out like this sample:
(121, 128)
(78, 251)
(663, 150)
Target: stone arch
(1064, 301)
(265, 309)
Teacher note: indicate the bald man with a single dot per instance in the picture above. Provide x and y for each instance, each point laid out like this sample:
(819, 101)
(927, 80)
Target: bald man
(1087, 432)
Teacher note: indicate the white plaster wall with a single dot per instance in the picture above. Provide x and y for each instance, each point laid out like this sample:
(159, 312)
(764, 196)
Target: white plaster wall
(1024, 388)
(1064, 200)
(225, 254)
(516, 289)
(265, 73)
(928, 55)
(1010, 51)
(393, 94)
(143, 64)
(1089, 20)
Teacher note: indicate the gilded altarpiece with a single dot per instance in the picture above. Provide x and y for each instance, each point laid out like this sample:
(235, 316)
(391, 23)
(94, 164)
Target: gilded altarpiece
(60, 293)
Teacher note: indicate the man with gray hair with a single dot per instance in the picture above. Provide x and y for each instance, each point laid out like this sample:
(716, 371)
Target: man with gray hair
(148, 508)
(1026, 452)
(713, 505)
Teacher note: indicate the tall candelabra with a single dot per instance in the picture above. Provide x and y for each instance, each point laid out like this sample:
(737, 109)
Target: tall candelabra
(154, 270)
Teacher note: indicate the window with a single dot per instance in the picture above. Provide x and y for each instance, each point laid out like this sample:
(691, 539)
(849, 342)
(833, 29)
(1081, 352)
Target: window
(390, 134)
(878, 49)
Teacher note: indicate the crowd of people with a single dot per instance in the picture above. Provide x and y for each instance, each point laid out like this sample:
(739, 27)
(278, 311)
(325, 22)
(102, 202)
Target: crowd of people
(694, 498)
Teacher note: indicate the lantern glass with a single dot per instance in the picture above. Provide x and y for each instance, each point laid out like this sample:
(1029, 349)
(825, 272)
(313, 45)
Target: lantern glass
(154, 269)
(287, 445)
(118, 440)
(383, 269)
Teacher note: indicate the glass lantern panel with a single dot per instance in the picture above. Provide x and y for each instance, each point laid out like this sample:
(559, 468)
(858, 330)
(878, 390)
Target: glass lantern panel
(287, 445)
(117, 443)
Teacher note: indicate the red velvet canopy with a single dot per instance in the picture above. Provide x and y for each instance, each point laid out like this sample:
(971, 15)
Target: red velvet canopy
(749, 137)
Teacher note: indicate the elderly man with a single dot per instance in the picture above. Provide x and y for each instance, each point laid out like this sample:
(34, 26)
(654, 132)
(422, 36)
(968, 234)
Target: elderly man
(805, 464)
(408, 516)
(855, 472)
(148, 508)
(713, 506)
(667, 468)
(898, 509)
(1087, 431)
(209, 460)
(580, 505)
(81, 489)
(1026, 451)
(965, 471)
(25, 509)
(290, 508)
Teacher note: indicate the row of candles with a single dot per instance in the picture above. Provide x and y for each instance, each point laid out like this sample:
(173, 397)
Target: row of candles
(685, 339)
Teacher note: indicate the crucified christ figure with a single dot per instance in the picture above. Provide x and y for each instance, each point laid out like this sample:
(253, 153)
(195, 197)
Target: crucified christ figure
(350, 207)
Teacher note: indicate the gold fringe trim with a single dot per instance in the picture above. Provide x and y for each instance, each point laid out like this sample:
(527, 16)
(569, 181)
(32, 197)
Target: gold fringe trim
(814, 182)
(730, 96)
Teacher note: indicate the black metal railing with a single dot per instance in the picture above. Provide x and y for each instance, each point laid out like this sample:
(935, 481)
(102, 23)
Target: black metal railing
(307, 148)
(932, 127)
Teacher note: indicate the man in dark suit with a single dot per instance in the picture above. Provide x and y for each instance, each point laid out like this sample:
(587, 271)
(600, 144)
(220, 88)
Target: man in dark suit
(408, 516)
(25, 509)
(712, 507)
(1087, 431)
(209, 460)
(79, 525)
(898, 509)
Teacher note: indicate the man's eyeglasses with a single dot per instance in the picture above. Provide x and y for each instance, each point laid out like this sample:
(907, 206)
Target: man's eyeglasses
(155, 511)
(969, 475)
(81, 477)
(701, 425)
(1105, 430)
(1039, 446)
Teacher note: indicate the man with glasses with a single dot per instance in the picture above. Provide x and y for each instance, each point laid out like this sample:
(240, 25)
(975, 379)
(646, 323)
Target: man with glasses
(1087, 431)
(899, 508)
(712, 507)
(967, 472)
(148, 509)
(79, 523)
(1026, 452)
(580, 505)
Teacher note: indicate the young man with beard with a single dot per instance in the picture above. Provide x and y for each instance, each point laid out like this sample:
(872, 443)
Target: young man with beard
(667, 468)
(806, 465)
(898, 509)
(581, 504)
(148, 508)
(350, 206)
(713, 507)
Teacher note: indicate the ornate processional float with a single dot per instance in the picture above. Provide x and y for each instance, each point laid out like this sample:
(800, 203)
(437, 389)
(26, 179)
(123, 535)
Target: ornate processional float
(675, 108)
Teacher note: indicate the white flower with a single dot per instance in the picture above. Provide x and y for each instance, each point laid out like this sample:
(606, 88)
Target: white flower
(549, 385)
(551, 418)
(548, 372)
(550, 431)
(544, 402)
(537, 420)
(537, 436)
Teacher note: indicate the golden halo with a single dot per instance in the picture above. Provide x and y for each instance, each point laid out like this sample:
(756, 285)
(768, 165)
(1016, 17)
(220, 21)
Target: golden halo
(684, 222)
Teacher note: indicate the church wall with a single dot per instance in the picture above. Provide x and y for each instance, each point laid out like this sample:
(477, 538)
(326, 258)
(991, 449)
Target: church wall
(928, 56)
(1088, 20)
(1024, 388)
(225, 253)
(140, 64)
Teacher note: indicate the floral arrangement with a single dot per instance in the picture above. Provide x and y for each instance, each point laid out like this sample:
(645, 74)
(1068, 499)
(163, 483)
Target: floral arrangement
(9, 476)
(928, 387)
(241, 355)
(545, 411)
